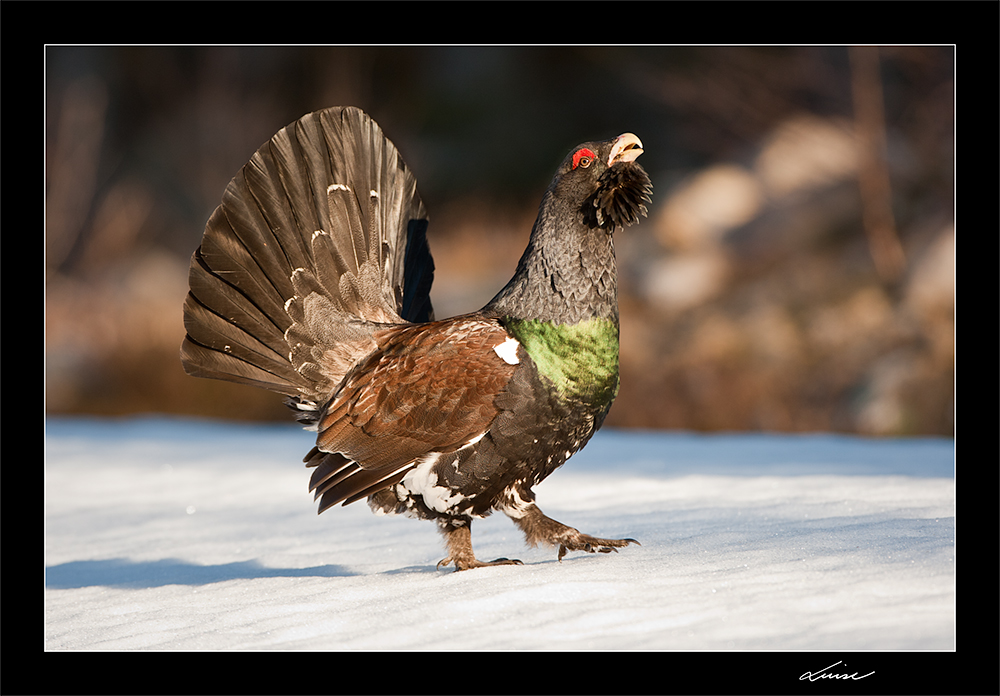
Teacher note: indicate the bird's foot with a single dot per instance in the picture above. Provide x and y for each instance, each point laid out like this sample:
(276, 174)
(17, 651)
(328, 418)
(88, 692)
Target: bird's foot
(539, 528)
(574, 540)
(468, 563)
(458, 536)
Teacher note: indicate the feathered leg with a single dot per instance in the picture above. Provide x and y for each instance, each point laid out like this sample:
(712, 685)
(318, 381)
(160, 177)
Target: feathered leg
(458, 536)
(539, 528)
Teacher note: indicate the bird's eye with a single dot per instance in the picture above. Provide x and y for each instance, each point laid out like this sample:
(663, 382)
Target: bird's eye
(583, 157)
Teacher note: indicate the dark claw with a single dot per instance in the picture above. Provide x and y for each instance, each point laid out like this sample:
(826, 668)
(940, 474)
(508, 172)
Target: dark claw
(477, 564)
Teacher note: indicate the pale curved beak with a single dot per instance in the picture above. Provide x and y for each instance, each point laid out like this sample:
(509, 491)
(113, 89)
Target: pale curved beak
(627, 148)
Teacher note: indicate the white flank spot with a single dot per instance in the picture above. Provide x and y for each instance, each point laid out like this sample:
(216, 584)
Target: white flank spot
(318, 233)
(337, 187)
(514, 505)
(421, 480)
(373, 193)
(508, 351)
(288, 303)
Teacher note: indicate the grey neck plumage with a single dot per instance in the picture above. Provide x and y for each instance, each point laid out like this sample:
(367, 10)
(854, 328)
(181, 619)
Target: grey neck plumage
(567, 273)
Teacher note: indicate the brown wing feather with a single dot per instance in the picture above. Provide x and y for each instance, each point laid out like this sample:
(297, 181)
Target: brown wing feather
(428, 388)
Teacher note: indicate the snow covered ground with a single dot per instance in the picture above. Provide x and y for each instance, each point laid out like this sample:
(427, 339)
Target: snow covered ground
(189, 535)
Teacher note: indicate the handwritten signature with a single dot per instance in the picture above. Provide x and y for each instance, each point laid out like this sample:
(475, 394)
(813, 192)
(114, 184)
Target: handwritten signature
(824, 674)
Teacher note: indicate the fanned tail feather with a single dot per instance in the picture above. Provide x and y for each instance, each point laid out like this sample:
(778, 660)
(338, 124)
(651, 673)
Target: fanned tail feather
(319, 241)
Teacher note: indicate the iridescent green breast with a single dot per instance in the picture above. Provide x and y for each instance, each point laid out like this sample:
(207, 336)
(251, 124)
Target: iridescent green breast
(580, 360)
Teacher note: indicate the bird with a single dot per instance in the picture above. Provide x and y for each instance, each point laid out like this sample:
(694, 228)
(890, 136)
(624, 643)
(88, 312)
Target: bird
(313, 280)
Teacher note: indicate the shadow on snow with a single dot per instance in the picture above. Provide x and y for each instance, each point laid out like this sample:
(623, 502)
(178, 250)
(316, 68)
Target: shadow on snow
(121, 572)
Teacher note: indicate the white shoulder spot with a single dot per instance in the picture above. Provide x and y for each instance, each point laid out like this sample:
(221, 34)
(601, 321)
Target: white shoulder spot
(508, 351)
(337, 187)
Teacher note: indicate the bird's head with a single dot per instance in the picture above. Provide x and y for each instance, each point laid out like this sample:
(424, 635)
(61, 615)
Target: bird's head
(604, 183)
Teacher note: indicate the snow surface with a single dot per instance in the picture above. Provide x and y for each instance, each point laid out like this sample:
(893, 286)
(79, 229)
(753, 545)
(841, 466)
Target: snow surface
(176, 534)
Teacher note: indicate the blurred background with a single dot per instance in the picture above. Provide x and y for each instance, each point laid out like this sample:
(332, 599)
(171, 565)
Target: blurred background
(796, 271)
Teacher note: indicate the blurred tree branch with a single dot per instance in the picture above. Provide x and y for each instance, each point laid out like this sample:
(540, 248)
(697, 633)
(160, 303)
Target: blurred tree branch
(72, 164)
(873, 172)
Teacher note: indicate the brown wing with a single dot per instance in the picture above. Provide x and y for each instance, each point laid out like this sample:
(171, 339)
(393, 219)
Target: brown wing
(428, 388)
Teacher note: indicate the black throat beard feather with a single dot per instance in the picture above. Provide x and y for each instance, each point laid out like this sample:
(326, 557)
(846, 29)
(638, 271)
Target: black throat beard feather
(621, 197)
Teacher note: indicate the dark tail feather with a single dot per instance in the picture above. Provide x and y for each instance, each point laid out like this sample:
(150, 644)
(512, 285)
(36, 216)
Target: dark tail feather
(320, 239)
(418, 274)
(337, 479)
